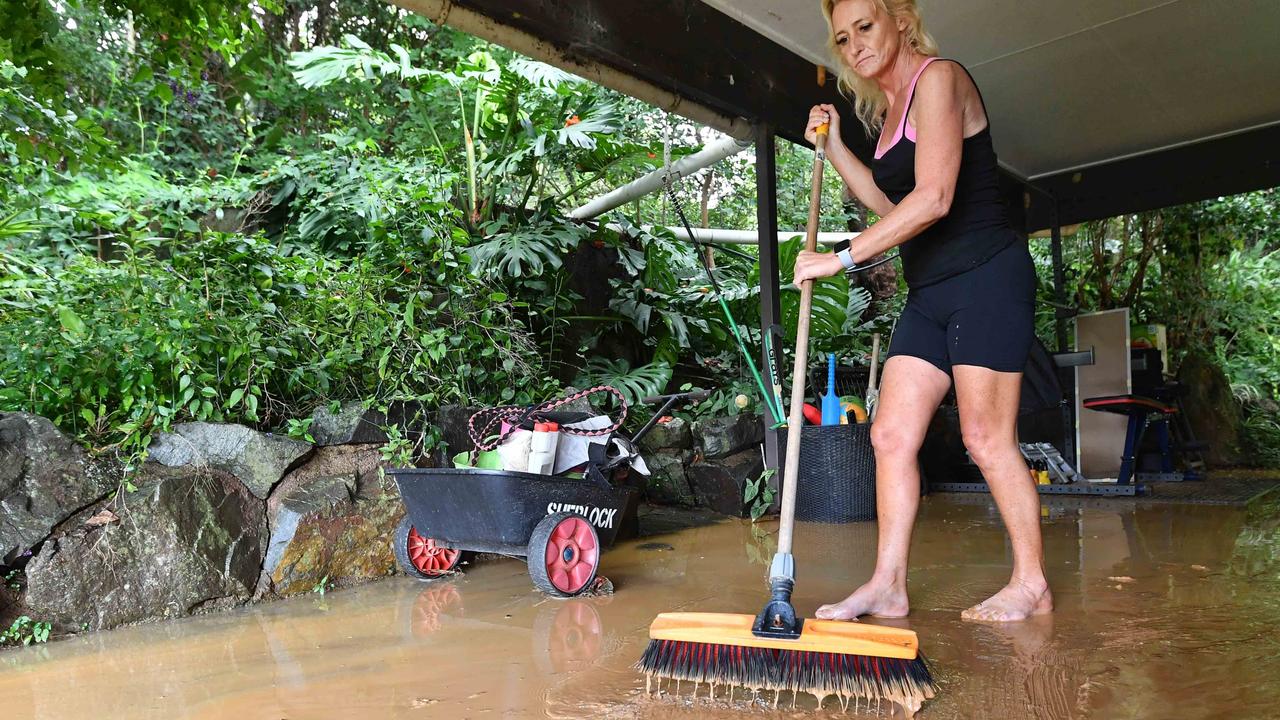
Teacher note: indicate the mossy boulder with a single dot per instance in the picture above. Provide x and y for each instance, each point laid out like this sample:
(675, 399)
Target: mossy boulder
(44, 478)
(331, 522)
(187, 539)
(1212, 409)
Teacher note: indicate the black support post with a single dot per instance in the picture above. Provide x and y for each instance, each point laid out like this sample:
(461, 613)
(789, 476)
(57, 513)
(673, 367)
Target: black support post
(1059, 278)
(1060, 315)
(770, 306)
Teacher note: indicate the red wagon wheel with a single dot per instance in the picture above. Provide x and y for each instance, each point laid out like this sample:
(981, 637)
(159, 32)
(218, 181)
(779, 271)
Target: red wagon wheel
(422, 557)
(563, 554)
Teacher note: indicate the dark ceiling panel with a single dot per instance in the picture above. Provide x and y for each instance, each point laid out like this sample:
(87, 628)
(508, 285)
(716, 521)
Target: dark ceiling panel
(1226, 166)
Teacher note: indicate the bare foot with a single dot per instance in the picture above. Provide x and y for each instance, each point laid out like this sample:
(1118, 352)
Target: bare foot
(881, 600)
(1017, 601)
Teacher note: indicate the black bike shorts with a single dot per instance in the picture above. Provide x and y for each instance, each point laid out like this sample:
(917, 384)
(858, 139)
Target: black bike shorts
(983, 317)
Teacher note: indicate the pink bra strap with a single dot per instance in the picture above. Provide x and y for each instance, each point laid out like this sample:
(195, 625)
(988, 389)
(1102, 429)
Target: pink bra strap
(902, 122)
(903, 127)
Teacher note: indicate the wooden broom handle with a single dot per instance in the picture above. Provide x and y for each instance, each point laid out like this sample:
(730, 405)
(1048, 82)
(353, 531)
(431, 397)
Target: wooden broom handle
(875, 364)
(791, 466)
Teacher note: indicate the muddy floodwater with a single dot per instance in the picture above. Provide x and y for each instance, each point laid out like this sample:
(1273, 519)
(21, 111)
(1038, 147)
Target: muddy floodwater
(1164, 611)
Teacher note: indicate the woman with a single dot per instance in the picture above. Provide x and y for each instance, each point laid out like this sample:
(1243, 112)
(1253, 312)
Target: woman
(968, 316)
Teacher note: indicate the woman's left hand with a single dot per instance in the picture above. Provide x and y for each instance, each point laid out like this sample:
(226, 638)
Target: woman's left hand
(814, 265)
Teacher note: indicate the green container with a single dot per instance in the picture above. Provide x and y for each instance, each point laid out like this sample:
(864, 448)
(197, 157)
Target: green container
(487, 460)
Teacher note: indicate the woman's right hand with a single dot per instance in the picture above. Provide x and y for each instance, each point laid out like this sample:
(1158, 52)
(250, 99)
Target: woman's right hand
(818, 115)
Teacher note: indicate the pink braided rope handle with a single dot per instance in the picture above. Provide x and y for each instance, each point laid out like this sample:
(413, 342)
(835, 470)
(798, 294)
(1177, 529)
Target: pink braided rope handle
(484, 422)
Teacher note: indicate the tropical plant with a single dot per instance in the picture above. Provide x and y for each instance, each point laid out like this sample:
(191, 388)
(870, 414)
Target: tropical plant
(635, 384)
(531, 248)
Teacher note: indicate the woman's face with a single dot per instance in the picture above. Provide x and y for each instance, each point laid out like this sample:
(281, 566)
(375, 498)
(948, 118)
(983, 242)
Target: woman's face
(867, 37)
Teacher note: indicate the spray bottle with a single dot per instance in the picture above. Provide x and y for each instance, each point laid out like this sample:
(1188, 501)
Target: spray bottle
(542, 449)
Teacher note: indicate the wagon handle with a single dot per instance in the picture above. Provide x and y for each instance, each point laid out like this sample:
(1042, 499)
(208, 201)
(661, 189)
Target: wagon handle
(696, 395)
(668, 402)
(484, 423)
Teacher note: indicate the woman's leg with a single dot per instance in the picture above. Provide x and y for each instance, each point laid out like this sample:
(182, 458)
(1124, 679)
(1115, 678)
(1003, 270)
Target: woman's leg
(988, 403)
(911, 391)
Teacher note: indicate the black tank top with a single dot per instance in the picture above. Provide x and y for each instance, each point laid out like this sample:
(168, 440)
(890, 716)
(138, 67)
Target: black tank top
(977, 226)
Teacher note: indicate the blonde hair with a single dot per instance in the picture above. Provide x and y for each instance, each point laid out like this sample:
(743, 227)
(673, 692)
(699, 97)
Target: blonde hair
(869, 101)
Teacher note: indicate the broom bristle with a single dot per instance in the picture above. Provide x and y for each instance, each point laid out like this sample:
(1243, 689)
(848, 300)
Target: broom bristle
(906, 682)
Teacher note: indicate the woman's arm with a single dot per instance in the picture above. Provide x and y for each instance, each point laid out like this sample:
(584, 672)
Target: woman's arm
(939, 115)
(856, 175)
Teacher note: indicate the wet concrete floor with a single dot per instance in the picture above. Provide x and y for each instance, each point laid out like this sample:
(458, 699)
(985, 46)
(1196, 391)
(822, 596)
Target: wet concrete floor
(1164, 611)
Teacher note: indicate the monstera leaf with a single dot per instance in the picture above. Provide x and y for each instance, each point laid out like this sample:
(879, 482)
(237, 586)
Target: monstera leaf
(358, 61)
(526, 251)
(634, 302)
(581, 132)
(830, 310)
(539, 74)
(633, 383)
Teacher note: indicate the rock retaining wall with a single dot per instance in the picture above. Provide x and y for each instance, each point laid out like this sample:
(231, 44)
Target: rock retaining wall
(221, 515)
(224, 514)
(705, 463)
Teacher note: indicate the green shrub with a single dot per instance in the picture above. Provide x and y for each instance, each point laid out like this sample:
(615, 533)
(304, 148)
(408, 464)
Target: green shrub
(231, 330)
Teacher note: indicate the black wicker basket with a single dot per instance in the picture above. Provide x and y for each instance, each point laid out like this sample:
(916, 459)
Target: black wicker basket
(837, 481)
(850, 379)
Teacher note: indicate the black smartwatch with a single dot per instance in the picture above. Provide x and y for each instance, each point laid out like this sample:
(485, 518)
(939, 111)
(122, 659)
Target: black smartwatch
(846, 259)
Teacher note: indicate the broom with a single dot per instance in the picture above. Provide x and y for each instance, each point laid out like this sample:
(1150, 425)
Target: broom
(776, 650)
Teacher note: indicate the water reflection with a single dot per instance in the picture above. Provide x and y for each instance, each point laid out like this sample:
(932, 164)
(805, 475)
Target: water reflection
(430, 608)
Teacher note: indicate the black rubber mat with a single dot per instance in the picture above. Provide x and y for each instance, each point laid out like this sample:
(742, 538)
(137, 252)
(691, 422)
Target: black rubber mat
(1213, 491)
(1226, 487)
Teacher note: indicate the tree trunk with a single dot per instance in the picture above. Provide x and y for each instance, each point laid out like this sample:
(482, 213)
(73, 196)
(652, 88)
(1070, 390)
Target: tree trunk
(855, 210)
(707, 251)
(1149, 228)
(324, 19)
(104, 245)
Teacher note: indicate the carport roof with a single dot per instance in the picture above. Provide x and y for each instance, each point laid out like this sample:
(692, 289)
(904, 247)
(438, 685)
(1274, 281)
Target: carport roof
(1107, 106)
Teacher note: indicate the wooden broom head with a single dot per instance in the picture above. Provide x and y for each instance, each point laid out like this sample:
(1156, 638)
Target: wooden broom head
(818, 636)
(829, 659)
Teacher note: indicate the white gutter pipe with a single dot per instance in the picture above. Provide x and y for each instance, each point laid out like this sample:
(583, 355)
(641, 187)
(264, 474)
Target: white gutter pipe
(709, 155)
(743, 237)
